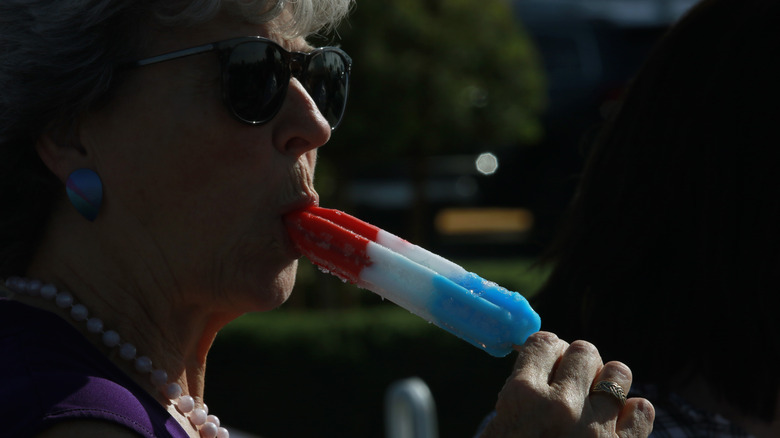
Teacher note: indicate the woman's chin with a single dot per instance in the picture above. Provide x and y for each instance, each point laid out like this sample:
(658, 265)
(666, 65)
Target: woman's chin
(272, 293)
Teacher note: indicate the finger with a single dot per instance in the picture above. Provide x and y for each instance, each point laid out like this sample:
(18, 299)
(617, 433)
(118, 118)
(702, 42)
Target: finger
(578, 367)
(636, 419)
(538, 356)
(608, 394)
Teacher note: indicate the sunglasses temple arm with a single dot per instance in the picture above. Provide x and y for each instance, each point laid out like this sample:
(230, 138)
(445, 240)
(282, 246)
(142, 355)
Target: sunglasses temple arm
(177, 54)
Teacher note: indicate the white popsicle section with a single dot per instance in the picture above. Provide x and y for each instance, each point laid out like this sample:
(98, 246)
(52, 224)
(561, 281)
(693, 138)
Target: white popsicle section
(422, 256)
(476, 310)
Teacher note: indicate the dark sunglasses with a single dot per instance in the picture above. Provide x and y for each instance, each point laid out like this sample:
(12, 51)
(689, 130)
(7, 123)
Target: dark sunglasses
(256, 73)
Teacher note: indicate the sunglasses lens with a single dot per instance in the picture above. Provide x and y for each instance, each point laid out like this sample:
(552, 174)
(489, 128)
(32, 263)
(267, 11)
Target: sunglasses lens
(258, 75)
(326, 81)
(256, 79)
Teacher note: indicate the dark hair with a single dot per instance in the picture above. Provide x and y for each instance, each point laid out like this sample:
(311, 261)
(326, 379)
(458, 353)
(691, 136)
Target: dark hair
(669, 258)
(56, 61)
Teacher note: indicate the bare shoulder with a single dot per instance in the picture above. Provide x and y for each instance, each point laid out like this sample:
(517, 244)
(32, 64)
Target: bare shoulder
(87, 429)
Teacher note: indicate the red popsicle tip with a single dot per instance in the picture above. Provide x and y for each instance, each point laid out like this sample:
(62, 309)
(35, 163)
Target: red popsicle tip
(328, 245)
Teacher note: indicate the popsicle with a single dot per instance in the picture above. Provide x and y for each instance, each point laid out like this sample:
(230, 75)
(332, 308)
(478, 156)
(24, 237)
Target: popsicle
(476, 310)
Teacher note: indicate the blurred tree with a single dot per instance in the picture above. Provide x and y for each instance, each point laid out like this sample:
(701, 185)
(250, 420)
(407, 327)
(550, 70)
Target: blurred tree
(434, 77)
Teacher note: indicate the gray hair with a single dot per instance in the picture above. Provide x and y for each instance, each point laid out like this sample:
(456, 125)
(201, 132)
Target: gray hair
(58, 59)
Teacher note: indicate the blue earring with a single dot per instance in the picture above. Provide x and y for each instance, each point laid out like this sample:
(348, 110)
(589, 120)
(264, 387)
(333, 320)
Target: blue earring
(85, 191)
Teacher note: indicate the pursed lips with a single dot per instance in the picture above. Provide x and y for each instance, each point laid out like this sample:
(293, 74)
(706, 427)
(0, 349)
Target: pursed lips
(298, 191)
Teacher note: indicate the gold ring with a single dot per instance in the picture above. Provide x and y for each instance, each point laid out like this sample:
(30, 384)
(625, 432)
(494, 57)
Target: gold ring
(612, 389)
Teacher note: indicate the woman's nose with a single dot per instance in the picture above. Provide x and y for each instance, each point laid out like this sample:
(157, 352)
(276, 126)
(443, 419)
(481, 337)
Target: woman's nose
(299, 126)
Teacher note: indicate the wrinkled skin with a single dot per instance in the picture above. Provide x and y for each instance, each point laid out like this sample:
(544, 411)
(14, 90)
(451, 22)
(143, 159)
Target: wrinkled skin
(549, 395)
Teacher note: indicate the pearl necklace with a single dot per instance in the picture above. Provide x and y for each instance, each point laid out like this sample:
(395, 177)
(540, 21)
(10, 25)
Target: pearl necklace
(207, 425)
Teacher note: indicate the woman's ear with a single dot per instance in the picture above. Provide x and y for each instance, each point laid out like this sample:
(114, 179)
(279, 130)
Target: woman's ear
(65, 156)
(61, 151)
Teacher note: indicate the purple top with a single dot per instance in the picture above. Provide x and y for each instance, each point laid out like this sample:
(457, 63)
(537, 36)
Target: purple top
(49, 373)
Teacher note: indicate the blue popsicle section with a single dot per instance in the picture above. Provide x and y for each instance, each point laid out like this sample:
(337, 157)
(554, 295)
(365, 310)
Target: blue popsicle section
(482, 313)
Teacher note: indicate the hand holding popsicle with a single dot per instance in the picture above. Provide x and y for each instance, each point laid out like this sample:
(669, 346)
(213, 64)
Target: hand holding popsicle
(552, 393)
(478, 311)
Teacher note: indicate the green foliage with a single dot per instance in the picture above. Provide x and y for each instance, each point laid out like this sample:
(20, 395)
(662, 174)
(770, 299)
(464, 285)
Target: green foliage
(437, 76)
(325, 374)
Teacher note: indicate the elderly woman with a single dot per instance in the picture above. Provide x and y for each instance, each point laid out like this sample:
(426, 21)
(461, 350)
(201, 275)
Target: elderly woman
(148, 150)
